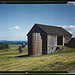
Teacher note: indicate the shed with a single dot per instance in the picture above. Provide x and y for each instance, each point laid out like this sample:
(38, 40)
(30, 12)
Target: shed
(71, 43)
(43, 39)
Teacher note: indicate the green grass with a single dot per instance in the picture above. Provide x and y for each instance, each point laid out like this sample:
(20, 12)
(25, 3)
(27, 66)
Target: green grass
(60, 61)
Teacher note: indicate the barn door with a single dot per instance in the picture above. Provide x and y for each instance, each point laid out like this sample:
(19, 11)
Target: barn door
(59, 40)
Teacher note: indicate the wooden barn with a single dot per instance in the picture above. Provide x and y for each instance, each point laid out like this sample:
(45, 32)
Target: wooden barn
(44, 39)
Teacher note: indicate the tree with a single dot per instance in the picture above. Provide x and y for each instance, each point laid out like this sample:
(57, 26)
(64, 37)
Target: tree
(4, 46)
(20, 49)
(23, 45)
(7, 46)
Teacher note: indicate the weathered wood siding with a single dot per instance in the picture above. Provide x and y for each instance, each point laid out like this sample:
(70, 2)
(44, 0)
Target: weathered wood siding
(36, 44)
(36, 29)
(51, 43)
(67, 39)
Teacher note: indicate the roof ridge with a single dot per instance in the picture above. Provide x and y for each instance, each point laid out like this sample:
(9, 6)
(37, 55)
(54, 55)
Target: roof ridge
(52, 29)
(47, 25)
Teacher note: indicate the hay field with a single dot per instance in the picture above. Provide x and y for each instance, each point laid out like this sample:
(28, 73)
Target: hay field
(63, 60)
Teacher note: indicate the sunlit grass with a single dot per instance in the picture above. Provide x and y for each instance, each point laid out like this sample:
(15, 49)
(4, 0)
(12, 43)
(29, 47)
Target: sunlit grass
(60, 61)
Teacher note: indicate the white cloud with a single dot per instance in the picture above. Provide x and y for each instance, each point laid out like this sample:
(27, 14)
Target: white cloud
(72, 2)
(66, 27)
(15, 27)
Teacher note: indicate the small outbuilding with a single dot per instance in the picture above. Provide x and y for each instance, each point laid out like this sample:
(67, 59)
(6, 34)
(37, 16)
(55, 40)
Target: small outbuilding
(44, 39)
(71, 43)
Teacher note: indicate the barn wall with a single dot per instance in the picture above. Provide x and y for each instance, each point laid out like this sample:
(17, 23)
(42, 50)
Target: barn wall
(29, 45)
(36, 29)
(67, 39)
(51, 43)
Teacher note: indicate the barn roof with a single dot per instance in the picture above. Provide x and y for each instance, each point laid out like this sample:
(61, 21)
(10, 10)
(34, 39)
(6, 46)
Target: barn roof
(53, 29)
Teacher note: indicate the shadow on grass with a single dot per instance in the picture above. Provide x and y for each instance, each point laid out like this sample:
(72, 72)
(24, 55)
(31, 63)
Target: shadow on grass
(23, 56)
(20, 56)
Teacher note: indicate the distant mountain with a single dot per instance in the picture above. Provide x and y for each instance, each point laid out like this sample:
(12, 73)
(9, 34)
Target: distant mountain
(13, 42)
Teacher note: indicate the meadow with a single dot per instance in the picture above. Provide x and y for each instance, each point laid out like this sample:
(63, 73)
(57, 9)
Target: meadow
(63, 60)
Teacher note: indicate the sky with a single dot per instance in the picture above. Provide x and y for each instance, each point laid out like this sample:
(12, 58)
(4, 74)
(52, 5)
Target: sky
(16, 20)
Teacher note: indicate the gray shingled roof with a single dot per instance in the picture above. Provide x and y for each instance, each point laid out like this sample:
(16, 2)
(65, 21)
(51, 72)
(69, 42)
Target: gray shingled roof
(53, 30)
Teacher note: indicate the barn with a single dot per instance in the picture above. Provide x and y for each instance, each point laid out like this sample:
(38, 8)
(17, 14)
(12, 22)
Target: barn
(44, 39)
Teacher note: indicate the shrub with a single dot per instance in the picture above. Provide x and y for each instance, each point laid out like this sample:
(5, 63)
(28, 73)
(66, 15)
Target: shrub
(20, 49)
(4, 46)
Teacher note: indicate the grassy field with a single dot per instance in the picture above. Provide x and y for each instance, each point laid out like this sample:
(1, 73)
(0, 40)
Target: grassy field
(60, 61)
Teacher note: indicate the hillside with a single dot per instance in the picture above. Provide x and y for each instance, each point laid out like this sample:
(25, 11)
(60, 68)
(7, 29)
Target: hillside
(63, 60)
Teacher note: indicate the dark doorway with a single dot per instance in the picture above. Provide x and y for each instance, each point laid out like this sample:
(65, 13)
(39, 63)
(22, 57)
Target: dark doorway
(59, 40)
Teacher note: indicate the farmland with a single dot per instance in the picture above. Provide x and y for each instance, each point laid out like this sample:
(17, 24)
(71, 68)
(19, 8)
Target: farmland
(63, 60)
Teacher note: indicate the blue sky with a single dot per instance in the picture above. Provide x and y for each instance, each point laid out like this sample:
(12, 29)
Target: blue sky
(17, 19)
